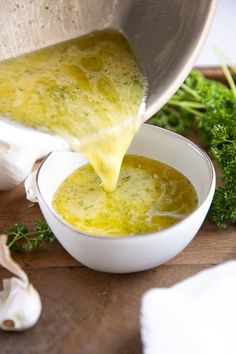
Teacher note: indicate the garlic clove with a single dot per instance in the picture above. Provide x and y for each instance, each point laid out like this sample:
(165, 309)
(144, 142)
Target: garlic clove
(30, 187)
(20, 303)
(22, 307)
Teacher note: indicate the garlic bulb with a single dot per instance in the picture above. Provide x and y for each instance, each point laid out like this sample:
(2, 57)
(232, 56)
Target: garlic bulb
(20, 147)
(15, 164)
(20, 304)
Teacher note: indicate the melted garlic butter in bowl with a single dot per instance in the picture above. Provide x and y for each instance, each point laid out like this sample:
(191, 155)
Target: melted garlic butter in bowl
(149, 197)
(138, 249)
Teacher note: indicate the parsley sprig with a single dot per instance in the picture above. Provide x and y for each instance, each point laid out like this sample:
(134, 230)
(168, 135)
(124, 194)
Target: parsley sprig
(21, 239)
(211, 107)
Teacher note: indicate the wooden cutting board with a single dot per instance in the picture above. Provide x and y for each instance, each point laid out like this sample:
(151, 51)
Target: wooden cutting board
(88, 312)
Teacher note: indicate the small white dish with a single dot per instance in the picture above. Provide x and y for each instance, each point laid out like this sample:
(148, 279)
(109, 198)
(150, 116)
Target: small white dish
(130, 253)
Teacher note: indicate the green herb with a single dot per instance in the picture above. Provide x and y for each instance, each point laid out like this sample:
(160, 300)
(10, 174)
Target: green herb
(177, 114)
(211, 107)
(22, 240)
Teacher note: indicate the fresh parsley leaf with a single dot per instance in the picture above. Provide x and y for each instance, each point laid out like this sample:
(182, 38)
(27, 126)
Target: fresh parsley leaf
(22, 240)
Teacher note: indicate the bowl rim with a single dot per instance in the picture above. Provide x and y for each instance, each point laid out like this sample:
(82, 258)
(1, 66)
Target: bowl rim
(160, 233)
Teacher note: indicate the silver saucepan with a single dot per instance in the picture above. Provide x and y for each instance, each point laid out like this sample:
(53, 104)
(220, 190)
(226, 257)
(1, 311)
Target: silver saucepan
(166, 35)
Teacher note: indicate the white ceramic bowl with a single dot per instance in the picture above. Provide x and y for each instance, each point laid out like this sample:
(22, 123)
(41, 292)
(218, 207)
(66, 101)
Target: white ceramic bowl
(131, 253)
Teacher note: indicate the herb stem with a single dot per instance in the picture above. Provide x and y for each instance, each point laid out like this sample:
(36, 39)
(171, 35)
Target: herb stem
(186, 104)
(191, 92)
(187, 107)
(226, 71)
(16, 238)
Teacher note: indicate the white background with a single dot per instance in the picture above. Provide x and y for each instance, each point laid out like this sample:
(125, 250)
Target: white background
(222, 34)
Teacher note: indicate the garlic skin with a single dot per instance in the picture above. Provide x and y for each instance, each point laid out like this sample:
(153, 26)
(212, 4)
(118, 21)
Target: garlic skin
(30, 188)
(20, 303)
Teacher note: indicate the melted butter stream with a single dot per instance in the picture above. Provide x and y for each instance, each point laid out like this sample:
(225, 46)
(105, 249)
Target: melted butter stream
(89, 91)
(150, 196)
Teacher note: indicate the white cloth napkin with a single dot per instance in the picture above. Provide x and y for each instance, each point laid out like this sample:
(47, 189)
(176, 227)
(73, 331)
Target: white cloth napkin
(196, 316)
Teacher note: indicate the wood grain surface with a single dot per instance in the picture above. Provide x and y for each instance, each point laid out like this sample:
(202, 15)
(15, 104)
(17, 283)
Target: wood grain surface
(215, 73)
(88, 312)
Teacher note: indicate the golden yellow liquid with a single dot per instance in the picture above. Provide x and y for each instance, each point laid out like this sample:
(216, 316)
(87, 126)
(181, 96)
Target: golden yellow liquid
(89, 90)
(150, 196)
